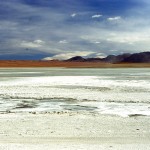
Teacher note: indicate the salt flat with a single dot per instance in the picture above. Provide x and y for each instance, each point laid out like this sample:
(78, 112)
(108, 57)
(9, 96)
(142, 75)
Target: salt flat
(73, 131)
(73, 109)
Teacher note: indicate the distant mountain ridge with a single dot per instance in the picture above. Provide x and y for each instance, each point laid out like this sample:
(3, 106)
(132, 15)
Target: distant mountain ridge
(138, 57)
(77, 58)
(143, 57)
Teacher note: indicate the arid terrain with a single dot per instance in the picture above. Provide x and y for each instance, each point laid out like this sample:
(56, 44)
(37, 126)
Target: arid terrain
(23, 63)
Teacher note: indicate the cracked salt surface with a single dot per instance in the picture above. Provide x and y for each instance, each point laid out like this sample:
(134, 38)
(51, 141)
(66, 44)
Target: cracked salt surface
(97, 93)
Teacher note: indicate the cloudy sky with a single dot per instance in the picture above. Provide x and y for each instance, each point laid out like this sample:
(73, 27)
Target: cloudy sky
(60, 29)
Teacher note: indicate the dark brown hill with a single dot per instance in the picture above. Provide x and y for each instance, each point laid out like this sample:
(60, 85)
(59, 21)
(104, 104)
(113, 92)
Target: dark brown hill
(116, 59)
(143, 57)
(76, 59)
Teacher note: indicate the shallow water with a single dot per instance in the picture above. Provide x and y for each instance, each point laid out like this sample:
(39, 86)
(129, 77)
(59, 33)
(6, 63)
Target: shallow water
(123, 92)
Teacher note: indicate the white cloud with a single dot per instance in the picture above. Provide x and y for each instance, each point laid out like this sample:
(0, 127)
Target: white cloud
(100, 55)
(97, 16)
(33, 44)
(68, 55)
(97, 42)
(63, 42)
(129, 38)
(113, 50)
(39, 42)
(114, 18)
(97, 36)
(94, 41)
(73, 15)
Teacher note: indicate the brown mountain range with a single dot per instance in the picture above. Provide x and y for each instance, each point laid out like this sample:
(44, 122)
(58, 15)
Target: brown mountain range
(143, 57)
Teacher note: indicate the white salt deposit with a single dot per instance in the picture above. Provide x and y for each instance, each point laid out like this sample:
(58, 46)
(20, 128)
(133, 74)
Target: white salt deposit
(91, 89)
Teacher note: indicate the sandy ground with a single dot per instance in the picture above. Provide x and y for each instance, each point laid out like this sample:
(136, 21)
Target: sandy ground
(29, 63)
(73, 132)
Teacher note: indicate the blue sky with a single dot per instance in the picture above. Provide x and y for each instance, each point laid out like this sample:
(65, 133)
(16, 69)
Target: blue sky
(60, 29)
